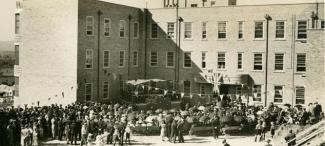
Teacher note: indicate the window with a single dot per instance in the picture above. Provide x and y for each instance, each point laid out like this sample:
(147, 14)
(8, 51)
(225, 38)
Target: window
(120, 78)
(278, 94)
(222, 27)
(105, 89)
(170, 59)
(213, 3)
(204, 58)
(300, 95)
(258, 61)
(121, 62)
(170, 30)
(135, 30)
(240, 61)
(153, 58)
(301, 62)
(16, 54)
(279, 61)
(122, 28)
(89, 59)
(202, 89)
(279, 29)
(188, 30)
(107, 26)
(221, 60)
(106, 59)
(187, 88)
(154, 30)
(259, 30)
(240, 30)
(239, 90)
(17, 23)
(193, 5)
(322, 24)
(187, 59)
(90, 25)
(204, 30)
(302, 30)
(257, 91)
(88, 91)
(135, 58)
(232, 2)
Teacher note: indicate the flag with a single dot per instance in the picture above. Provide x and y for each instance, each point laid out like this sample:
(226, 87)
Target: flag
(182, 94)
(165, 92)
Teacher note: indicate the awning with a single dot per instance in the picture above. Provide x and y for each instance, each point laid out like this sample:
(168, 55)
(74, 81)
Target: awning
(236, 79)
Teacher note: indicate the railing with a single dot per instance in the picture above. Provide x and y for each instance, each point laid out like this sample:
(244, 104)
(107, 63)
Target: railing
(309, 133)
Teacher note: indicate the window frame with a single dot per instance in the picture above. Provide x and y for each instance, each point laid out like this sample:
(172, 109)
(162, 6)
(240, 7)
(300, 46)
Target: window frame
(254, 62)
(151, 31)
(167, 66)
(135, 61)
(92, 25)
(204, 59)
(223, 32)
(135, 31)
(204, 30)
(17, 23)
(190, 87)
(103, 91)
(91, 91)
(185, 30)
(240, 30)
(263, 27)
(240, 61)
(168, 36)
(218, 61)
(305, 63)
(123, 24)
(184, 61)
(109, 57)
(277, 29)
(119, 65)
(92, 59)
(275, 94)
(303, 33)
(258, 92)
(304, 95)
(275, 62)
(151, 63)
(107, 26)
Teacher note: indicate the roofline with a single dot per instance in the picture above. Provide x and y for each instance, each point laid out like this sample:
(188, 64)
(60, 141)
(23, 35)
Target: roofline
(236, 6)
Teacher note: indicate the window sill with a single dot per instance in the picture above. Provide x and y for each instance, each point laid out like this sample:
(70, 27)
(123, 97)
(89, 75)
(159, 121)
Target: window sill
(154, 66)
(106, 67)
(221, 39)
(170, 67)
(240, 40)
(258, 70)
(88, 68)
(299, 73)
(188, 39)
(120, 66)
(187, 67)
(240, 70)
(154, 38)
(280, 39)
(221, 69)
(204, 39)
(279, 71)
(258, 39)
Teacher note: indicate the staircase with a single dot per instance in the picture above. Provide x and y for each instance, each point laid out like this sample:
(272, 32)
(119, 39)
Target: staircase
(313, 135)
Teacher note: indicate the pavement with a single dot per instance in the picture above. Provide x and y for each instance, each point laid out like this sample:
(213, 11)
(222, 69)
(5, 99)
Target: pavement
(189, 141)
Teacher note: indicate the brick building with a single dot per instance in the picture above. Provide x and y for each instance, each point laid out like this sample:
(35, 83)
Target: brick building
(91, 48)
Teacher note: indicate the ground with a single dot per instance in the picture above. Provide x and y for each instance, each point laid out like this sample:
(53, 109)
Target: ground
(189, 141)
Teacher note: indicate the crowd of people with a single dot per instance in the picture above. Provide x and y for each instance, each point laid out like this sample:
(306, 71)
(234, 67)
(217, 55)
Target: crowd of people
(113, 123)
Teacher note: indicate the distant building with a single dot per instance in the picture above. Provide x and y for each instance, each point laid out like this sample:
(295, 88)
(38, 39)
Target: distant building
(86, 50)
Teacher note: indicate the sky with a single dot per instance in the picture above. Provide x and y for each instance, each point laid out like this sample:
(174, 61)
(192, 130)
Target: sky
(7, 9)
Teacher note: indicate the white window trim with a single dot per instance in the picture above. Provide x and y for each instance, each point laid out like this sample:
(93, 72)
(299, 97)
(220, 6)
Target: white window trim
(157, 59)
(137, 64)
(103, 90)
(91, 93)
(184, 59)
(120, 59)
(243, 26)
(206, 28)
(283, 69)
(109, 58)
(284, 30)
(93, 24)
(167, 36)
(218, 30)
(191, 38)
(167, 60)
(261, 97)
(320, 23)
(190, 86)
(151, 30)
(263, 66)
(307, 26)
(206, 56)
(92, 62)
(259, 39)
(224, 52)
(296, 63)
(296, 93)
(109, 27)
(201, 85)
(119, 31)
(282, 94)
(138, 27)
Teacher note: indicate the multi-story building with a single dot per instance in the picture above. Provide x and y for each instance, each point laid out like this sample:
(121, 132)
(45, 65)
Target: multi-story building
(86, 50)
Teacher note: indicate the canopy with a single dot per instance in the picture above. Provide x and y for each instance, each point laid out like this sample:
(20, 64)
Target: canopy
(141, 81)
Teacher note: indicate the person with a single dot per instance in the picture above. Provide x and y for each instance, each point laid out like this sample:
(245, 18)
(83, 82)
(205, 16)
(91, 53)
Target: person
(216, 127)
(90, 139)
(163, 130)
(24, 136)
(180, 125)
(291, 138)
(268, 142)
(128, 134)
(263, 130)
(272, 129)
(173, 133)
(115, 135)
(258, 129)
(224, 142)
(84, 134)
(35, 136)
(67, 132)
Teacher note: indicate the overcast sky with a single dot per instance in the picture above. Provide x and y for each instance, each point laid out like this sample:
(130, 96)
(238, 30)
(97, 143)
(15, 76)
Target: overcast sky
(7, 9)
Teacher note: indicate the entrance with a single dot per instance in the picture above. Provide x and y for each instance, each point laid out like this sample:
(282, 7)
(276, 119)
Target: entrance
(224, 89)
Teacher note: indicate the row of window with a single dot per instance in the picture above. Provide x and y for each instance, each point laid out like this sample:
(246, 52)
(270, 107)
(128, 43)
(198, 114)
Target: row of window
(257, 92)
(222, 30)
(187, 61)
(107, 27)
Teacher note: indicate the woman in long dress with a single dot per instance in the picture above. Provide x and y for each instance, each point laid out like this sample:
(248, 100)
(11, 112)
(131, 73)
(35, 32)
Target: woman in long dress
(163, 130)
(35, 136)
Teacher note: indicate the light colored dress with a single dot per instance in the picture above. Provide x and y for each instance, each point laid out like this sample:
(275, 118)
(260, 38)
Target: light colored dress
(163, 130)
(35, 138)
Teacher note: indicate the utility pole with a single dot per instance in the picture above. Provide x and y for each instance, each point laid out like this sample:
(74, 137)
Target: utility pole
(176, 51)
(99, 13)
(268, 18)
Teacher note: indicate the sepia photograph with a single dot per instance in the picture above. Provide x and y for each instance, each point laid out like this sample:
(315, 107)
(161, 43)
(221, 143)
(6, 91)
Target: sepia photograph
(162, 72)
